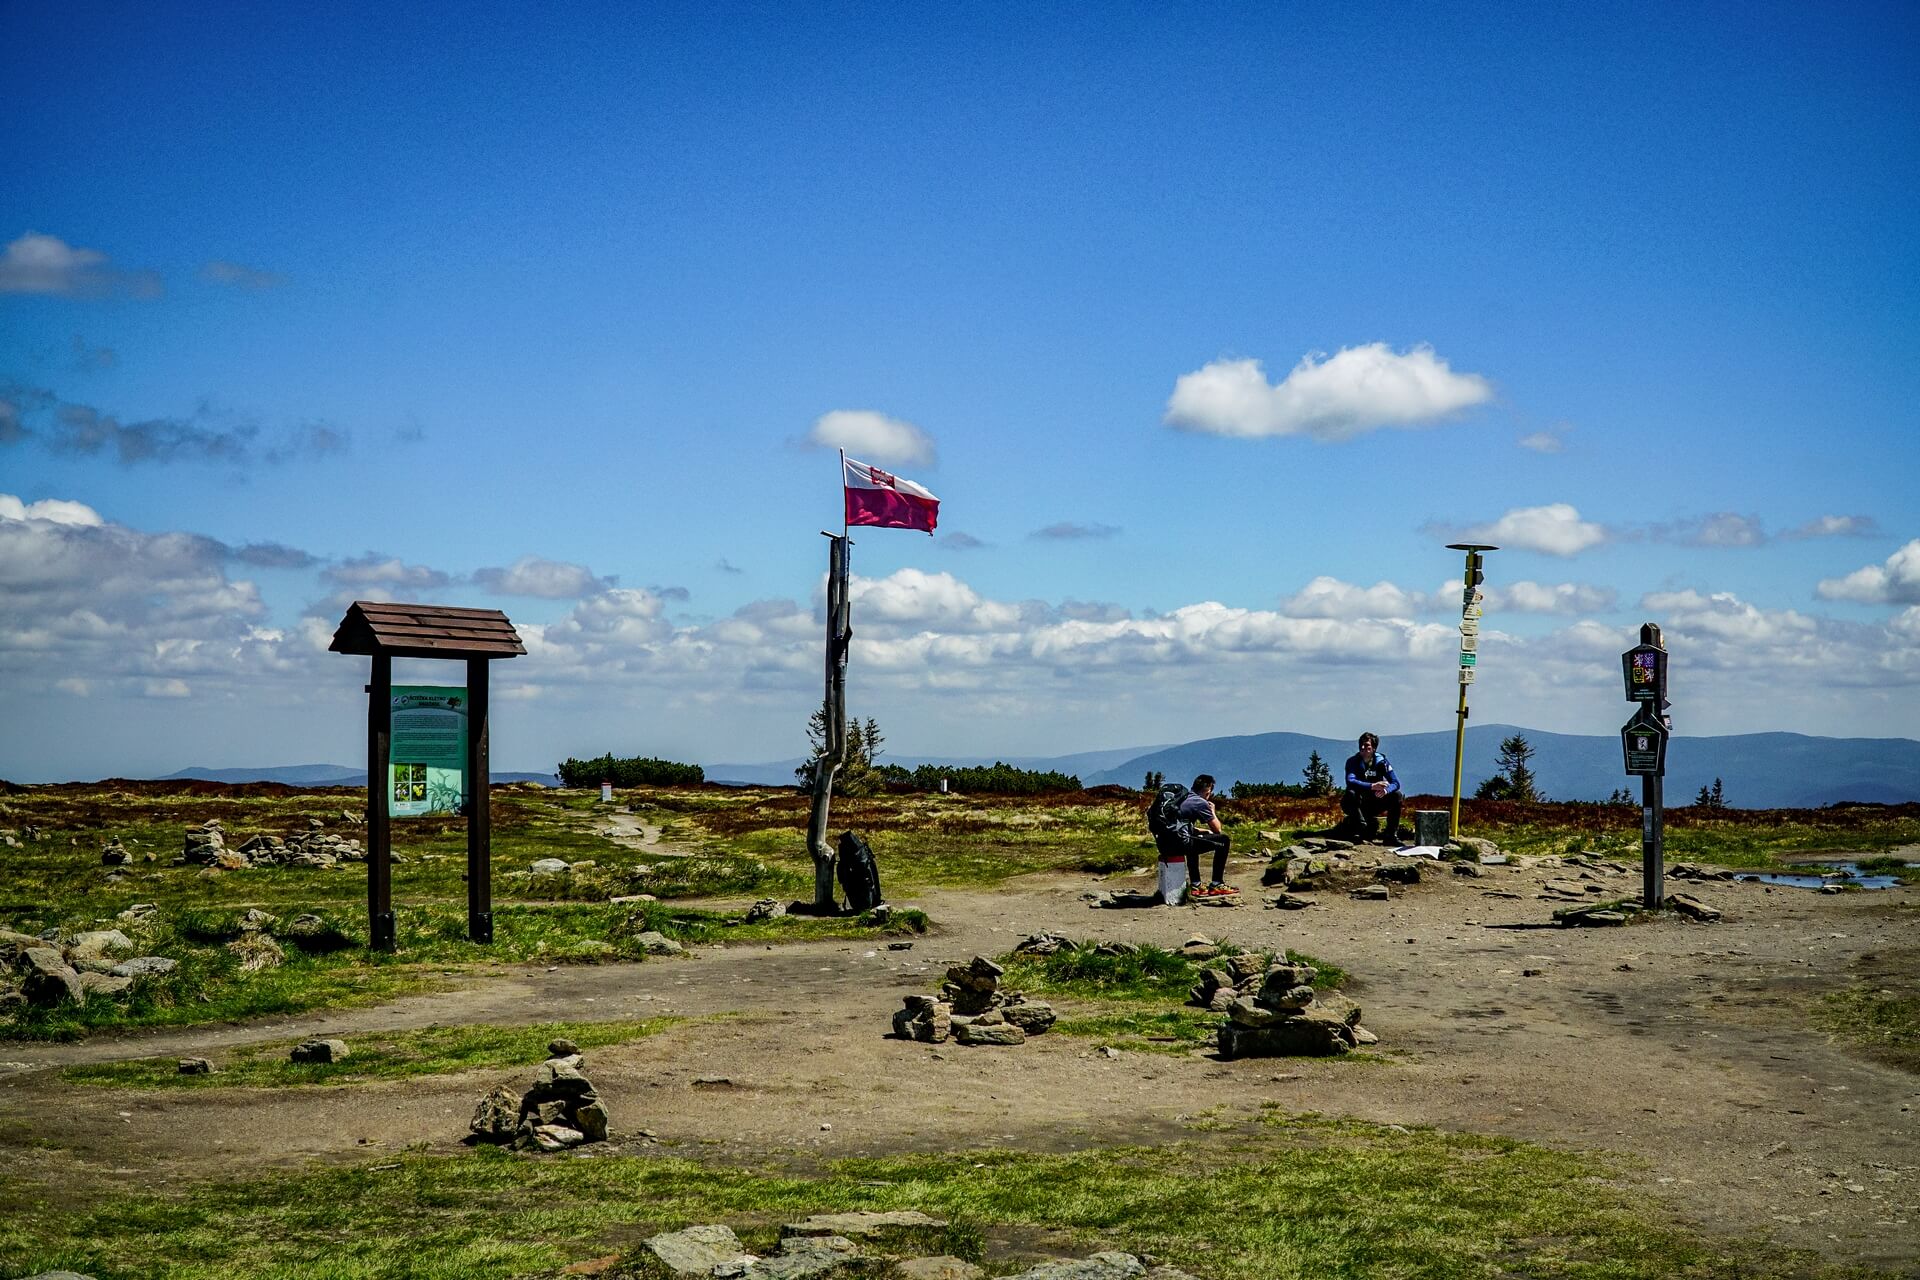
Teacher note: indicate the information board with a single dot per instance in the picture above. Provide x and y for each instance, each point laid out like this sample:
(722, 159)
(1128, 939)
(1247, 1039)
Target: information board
(429, 752)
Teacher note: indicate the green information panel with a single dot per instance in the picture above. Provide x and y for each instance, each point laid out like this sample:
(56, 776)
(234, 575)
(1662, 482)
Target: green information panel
(429, 752)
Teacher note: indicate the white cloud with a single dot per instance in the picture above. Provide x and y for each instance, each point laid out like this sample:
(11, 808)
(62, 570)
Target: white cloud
(1326, 597)
(1836, 527)
(1555, 529)
(1724, 616)
(542, 579)
(1332, 398)
(375, 570)
(38, 263)
(873, 437)
(52, 510)
(1895, 582)
(1542, 442)
(1551, 598)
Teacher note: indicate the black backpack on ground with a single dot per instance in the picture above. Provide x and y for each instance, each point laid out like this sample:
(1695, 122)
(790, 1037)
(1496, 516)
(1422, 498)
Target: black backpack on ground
(857, 872)
(1163, 818)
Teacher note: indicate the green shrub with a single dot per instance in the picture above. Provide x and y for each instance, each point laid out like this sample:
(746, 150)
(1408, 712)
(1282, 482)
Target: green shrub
(632, 771)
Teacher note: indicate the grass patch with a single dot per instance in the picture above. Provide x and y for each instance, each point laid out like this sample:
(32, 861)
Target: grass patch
(1900, 868)
(1138, 994)
(377, 1055)
(1883, 1023)
(432, 950)
(1309, 1198)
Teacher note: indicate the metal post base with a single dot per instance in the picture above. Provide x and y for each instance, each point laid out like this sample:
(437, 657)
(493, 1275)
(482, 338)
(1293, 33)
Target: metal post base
(480, 926)
(383, 931)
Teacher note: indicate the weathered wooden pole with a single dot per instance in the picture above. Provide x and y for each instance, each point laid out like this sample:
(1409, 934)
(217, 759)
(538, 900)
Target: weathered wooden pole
(834, 754)
(380, 926)
(479, 807)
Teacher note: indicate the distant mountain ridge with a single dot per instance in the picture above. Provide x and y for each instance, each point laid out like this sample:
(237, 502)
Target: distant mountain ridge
(321, 775)
(1756, 770)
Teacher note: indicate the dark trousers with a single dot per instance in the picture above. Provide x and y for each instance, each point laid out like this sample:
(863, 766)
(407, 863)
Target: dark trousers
(1201, 842)
(1364, 810)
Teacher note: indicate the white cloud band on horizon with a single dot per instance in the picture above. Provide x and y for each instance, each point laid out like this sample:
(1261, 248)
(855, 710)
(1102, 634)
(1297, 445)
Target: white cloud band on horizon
(1332, 398)
(873, 437)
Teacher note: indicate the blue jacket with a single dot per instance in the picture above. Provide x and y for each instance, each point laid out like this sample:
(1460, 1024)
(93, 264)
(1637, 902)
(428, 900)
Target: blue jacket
(1361, 776)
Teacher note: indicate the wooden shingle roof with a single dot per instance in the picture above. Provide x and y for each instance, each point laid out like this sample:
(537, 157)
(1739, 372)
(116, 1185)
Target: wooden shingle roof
(426, 631)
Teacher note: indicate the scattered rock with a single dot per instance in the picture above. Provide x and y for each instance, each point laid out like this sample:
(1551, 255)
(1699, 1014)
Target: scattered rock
(1041, 944)
(114, 854)
(655, 943)
(257, 921)
(696, 1252)
(548, 867)
(103, 984)
(1288, 902)
(194, 1067)
(319, 1051)
(925, 1018)
(1370, 893)
(496, 1117)
(1692, 908)
(944, 1267)
(765, 909)
(1593, 918)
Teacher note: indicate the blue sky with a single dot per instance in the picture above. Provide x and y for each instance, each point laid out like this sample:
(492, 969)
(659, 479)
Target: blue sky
(553, 313)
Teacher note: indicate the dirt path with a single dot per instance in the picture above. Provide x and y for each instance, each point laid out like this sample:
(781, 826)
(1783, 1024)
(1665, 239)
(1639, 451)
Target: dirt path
(1689, 1048)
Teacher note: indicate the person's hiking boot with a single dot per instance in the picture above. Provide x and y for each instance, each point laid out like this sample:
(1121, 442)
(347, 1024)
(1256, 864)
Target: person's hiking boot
(1395, 836)
(1220, 889)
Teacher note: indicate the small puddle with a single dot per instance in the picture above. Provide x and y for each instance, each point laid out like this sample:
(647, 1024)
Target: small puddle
(1838, 874)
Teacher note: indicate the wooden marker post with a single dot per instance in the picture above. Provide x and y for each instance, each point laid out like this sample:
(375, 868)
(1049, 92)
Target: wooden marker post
(1472, 601)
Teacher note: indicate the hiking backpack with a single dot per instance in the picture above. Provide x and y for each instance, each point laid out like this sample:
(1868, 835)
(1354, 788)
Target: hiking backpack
(858, 873)
(1163, 815)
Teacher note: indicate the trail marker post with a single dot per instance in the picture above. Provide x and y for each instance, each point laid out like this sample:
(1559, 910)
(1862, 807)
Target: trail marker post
(1472, 601)
(1643, 746)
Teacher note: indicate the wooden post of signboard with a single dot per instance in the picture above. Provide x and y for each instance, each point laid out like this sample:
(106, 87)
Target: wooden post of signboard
(380, 931)
(479, 807)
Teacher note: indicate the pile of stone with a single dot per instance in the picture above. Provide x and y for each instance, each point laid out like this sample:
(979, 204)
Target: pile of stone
(48, 969)
(1285, 1017)
(973, 1010)
(859, 1244)
(1222, 984)
(1613, 914)
(561, 1109)
(316, 847)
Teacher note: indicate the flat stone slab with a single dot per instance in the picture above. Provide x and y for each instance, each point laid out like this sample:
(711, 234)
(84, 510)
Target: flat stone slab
(697, 1251)
(1101, 1266)
(862, 1226)
(944, 1267)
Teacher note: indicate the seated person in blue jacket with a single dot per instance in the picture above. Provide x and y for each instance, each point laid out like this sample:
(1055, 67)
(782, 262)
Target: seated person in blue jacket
(1373, 792)
(1204, 824)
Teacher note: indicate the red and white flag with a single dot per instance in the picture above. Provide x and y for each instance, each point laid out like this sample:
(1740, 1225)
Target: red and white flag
(876, 498)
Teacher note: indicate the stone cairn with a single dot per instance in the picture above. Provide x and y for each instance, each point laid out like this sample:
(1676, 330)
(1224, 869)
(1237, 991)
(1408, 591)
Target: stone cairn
(973, 1010)
(561, 1109)
(1284, 1017)
(315, 847)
